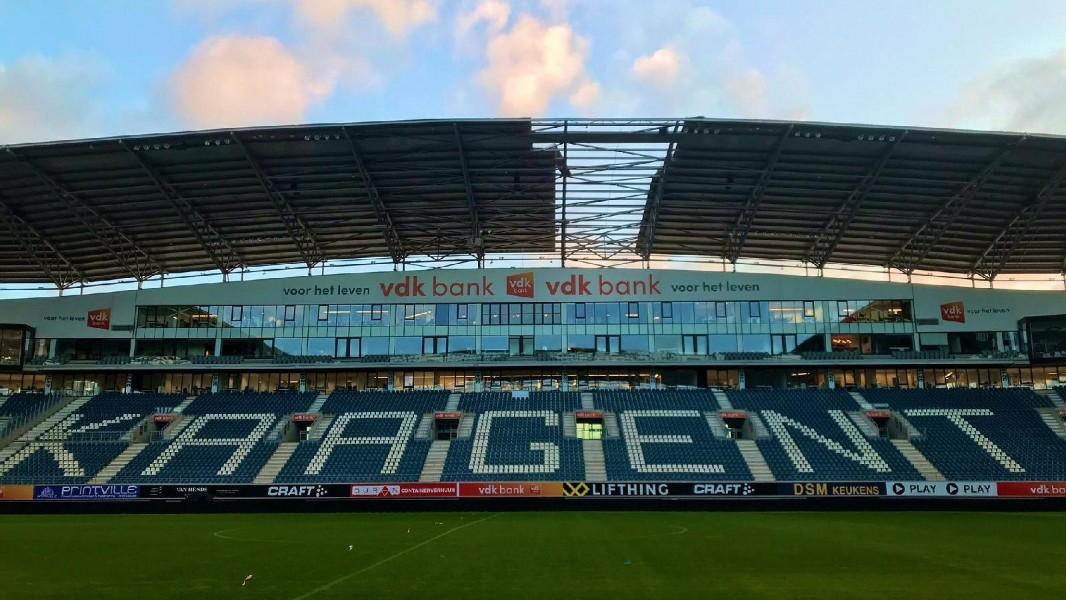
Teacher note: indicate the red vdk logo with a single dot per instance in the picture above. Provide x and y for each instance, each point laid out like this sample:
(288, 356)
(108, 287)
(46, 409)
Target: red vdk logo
(953, 311)
(99, 318)
(520, 284)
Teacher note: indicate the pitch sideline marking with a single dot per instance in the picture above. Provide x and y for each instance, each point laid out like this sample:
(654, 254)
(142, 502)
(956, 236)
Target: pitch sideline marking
(390, 558)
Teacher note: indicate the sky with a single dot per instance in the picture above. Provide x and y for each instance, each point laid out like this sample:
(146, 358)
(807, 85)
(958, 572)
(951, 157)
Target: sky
(111, 67)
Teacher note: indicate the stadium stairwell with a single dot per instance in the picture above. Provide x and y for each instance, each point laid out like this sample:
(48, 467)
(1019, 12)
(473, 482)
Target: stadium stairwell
(54, 419)
(760, 471)
(1054, 395)
(180, 409)
(723, 400)
(434, 465)
(595, 463)
(316, 406)
(453, 402)
(1053, 420)
(276, 463)
(587, 402)
(123, 459)
(861, 401)
(918, 460)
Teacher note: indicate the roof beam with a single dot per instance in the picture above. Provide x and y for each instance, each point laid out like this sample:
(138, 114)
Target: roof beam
(738, 236)
(302, 235)
(55, 265)
(647, 229)
(826, 240)
(133, 258)
(217, 247)
(471, 201)
(911, 254)
(991, 262)
(388, 229)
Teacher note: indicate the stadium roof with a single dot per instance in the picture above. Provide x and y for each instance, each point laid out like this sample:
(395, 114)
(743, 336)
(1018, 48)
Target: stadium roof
(584, 190)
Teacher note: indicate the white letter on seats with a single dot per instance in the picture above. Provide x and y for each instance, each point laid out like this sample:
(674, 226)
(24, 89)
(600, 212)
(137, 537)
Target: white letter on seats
(956, 416)
(397, 442)
(55, 437)
(865, 455)
(549, 459)
(635, 439)
(188, 438)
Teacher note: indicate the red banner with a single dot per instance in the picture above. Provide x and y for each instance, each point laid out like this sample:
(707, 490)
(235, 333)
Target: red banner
(164, 418)
(878, 414)
(404, 490)
(447, 416)
(99, 318)
(304, 417)
(491, 489)
(953, 311)
(1032, 489)
(588, 414)
(520, 285)
(732, 414)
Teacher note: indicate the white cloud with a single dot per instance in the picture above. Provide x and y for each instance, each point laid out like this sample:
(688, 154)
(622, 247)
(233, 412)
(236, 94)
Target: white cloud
(532, 63)
(748, 90)
(231, 81)
(1025, 95)
(691, 60)
(400, 17)
(45, 98)
(658, 68)
(586, 96)
(493, 13)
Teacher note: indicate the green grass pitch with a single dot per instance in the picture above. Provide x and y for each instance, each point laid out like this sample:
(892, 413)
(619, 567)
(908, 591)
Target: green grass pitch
(541, 555)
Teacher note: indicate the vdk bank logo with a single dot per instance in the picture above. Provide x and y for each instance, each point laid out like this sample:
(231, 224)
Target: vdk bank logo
(99, 318)
(953, 311)
(520, 284)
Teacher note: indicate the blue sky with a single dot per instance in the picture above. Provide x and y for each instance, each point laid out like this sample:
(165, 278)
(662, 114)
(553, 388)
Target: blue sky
(76, 69)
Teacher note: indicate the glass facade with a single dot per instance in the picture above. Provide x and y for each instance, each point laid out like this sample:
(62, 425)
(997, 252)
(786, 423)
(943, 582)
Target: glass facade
(524, 328)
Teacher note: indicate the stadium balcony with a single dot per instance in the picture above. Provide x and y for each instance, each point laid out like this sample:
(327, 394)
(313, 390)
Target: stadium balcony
(666, 435)
(817, 435)
(216, 360)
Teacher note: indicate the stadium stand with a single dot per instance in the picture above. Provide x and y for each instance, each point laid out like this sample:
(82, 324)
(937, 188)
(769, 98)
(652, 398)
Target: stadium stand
(518, 439)
(370, 438)
(813, 438)
(982, 434)
(228, 440)
(665, 435)
(83, 442)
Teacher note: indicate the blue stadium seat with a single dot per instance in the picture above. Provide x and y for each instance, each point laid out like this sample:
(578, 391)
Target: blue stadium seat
(812, 438)
(76, 448)
(981, 434)
(515, 445)
(377, 446)
(224, 442)
(665, 436)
